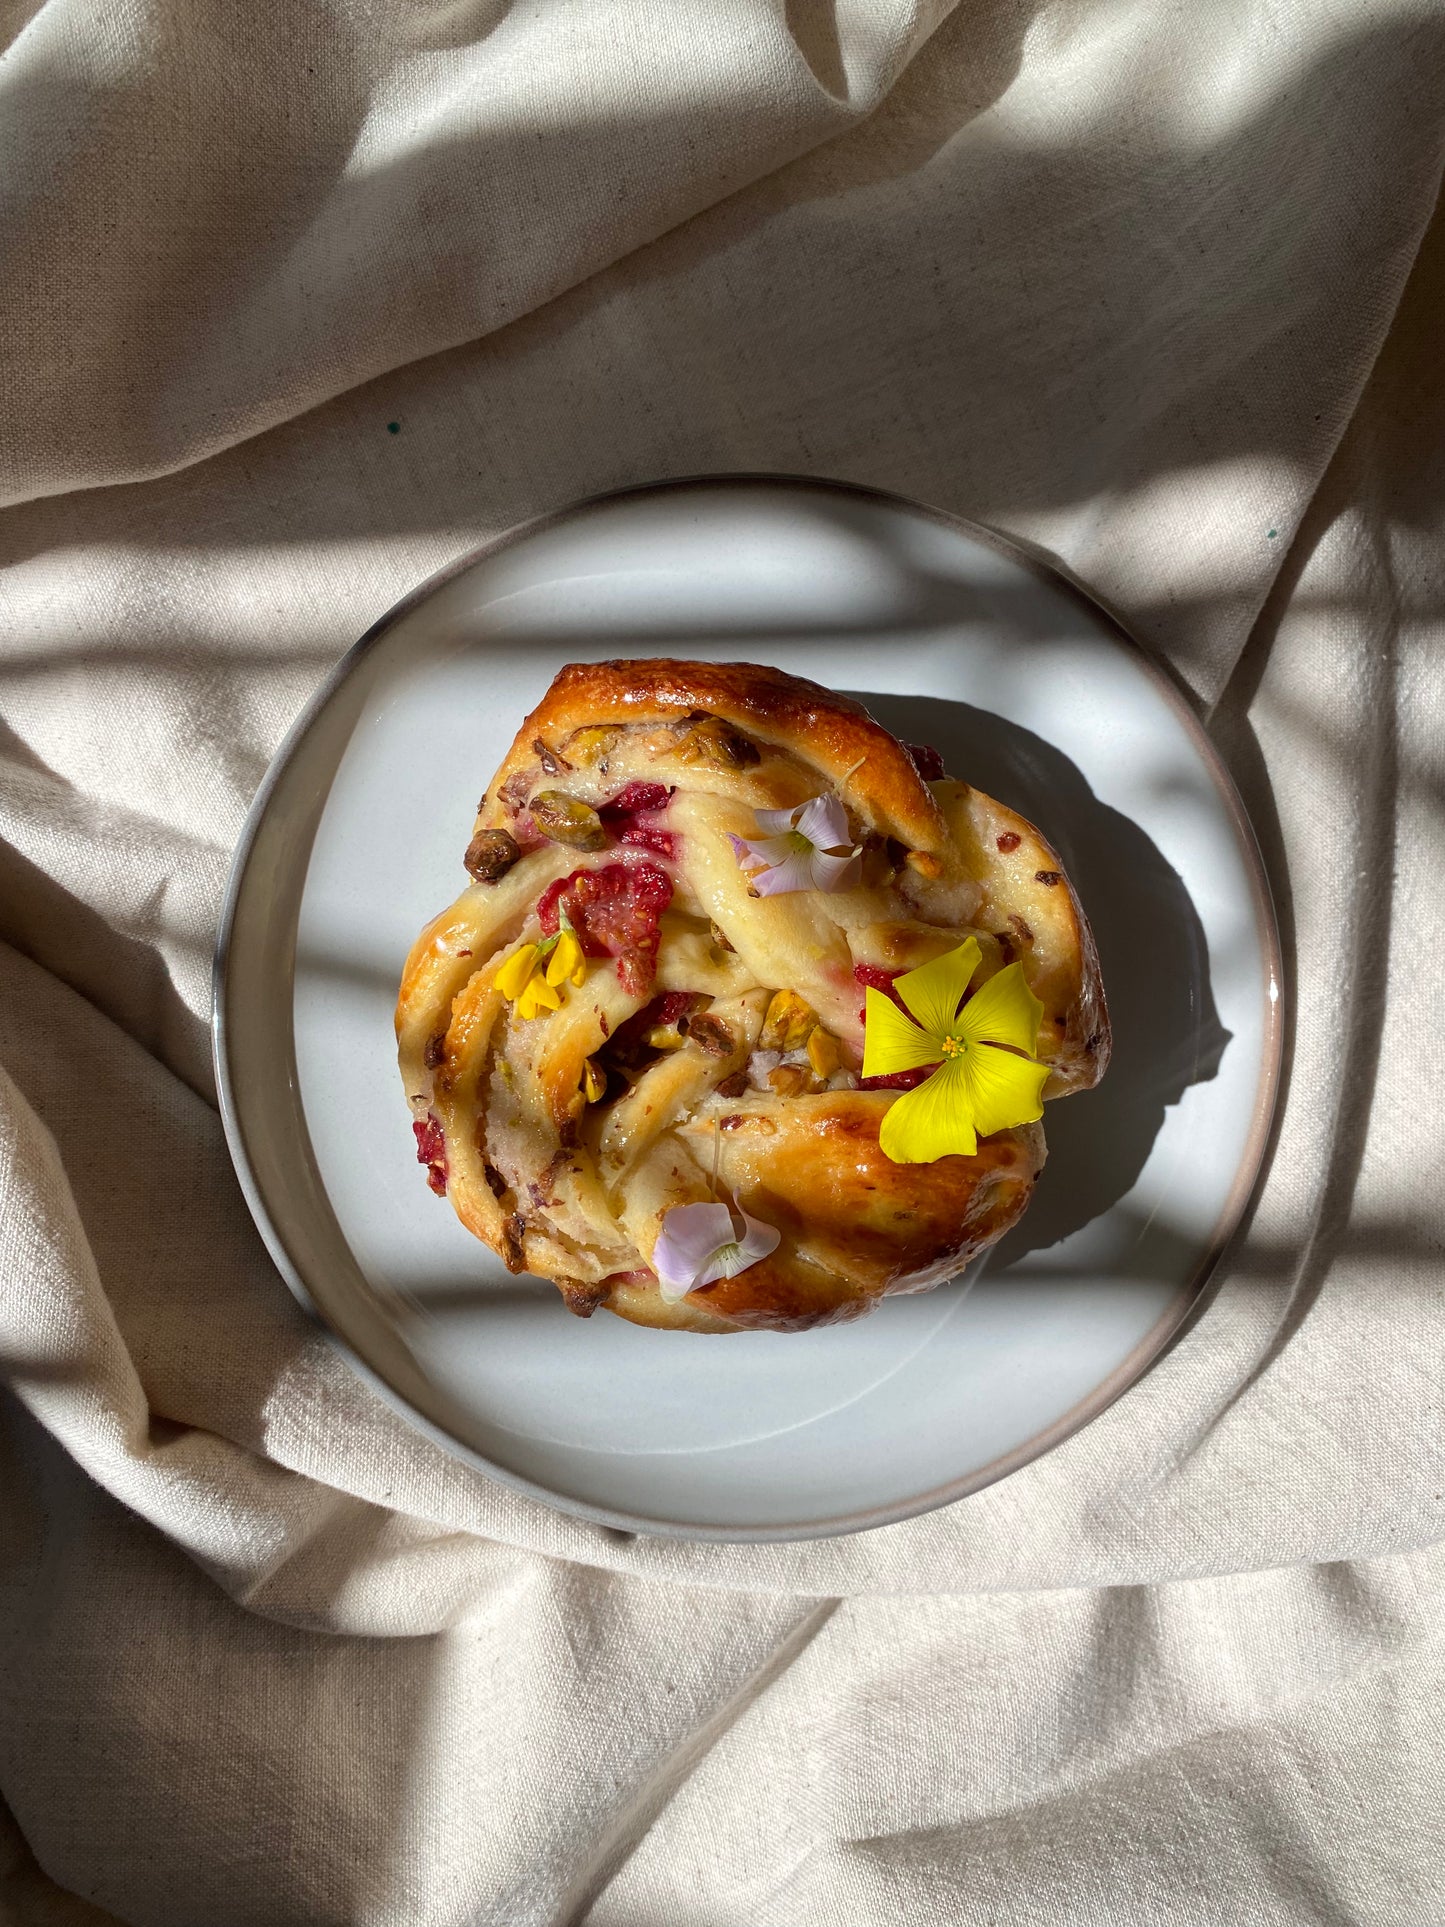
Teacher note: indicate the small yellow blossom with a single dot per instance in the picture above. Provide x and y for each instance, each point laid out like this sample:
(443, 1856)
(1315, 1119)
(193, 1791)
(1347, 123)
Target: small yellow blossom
(566, 963)
(986, 1077)
(534, 976)
(538, 995)
(513, 975)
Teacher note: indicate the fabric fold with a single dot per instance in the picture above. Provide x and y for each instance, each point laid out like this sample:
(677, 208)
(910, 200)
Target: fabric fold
(1136, 287)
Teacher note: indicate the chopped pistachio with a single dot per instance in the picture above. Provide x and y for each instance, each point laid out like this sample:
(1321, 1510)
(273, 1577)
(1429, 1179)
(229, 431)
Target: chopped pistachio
(490, 854)
(552, 760)
(563, 819)
(716, 744)
(789, 1080)
(589, 745)
(712, 1035)
(666, 1037)
(823, 1052)
(789, 1022)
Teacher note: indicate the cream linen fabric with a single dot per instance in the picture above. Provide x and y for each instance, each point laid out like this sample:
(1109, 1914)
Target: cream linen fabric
(1152, 286)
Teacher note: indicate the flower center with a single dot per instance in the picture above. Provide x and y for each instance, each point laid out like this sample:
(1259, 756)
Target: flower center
(954, 1046)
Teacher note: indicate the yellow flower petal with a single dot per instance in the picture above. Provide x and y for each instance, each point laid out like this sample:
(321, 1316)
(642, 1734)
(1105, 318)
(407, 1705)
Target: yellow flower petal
(1003, 1011)
(891, 1041)
(1002, 1089)
(538, 996)
(566, 960)
(933, 1121)
(934, 991)
(513, 974)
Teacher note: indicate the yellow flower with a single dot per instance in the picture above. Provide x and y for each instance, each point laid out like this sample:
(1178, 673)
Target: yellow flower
(533, 976)
(513, 975)
(980, 1085)
(566, 961)
(538, 995)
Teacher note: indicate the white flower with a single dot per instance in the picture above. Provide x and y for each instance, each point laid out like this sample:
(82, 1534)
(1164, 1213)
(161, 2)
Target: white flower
(804, 848)
(701, 1242)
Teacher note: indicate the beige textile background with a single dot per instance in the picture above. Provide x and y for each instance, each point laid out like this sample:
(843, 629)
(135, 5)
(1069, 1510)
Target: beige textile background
(299, 303)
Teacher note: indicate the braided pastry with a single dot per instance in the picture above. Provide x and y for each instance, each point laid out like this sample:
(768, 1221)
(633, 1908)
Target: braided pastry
(651, 996)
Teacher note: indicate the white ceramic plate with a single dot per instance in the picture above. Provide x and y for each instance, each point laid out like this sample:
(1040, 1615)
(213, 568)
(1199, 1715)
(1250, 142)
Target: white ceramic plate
(951, 637)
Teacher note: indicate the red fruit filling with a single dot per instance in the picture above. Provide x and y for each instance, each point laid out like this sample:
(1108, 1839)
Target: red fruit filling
(897, 1080)
(628, 1044)
(669, 1006)
(431, 1150)
(642, 836)
(615, 912)
(927, 761)
(635, 800)
(874, 977)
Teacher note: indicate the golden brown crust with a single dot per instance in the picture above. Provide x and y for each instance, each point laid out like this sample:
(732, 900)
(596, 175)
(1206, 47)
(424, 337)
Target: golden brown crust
(577, 1190)
(835, 735)
(1029, 905)
(846, 1211)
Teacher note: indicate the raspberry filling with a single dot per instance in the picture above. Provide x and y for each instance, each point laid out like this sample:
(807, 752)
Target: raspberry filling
(927, 761)
(636, 800)
(431, 1150)
(647, 836)
(667, 1008)
(628, 1044)
(614, 911)
(874, 977)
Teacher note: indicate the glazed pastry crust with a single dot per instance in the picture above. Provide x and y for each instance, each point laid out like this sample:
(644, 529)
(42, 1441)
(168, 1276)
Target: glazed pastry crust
(837, 736)
(575, 1191)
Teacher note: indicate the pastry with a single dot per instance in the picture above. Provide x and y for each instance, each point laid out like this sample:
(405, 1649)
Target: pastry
(748, 1012)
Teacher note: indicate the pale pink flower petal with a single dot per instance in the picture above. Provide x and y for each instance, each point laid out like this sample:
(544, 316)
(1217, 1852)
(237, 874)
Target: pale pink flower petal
(795, 872)
(779, 822)
(690, 1234)
(840, 872)
(824, 822)
(770, 849)
(758, 1240)
(701, 1242)
(807, 850)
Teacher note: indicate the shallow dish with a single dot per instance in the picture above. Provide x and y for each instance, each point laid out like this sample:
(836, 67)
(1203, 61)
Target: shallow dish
(950, 637)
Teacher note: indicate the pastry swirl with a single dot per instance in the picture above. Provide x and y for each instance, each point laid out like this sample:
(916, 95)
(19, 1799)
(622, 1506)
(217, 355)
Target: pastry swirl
(709, 1041)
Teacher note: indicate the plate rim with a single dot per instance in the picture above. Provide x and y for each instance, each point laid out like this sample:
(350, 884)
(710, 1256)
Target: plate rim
(1192, 1297)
